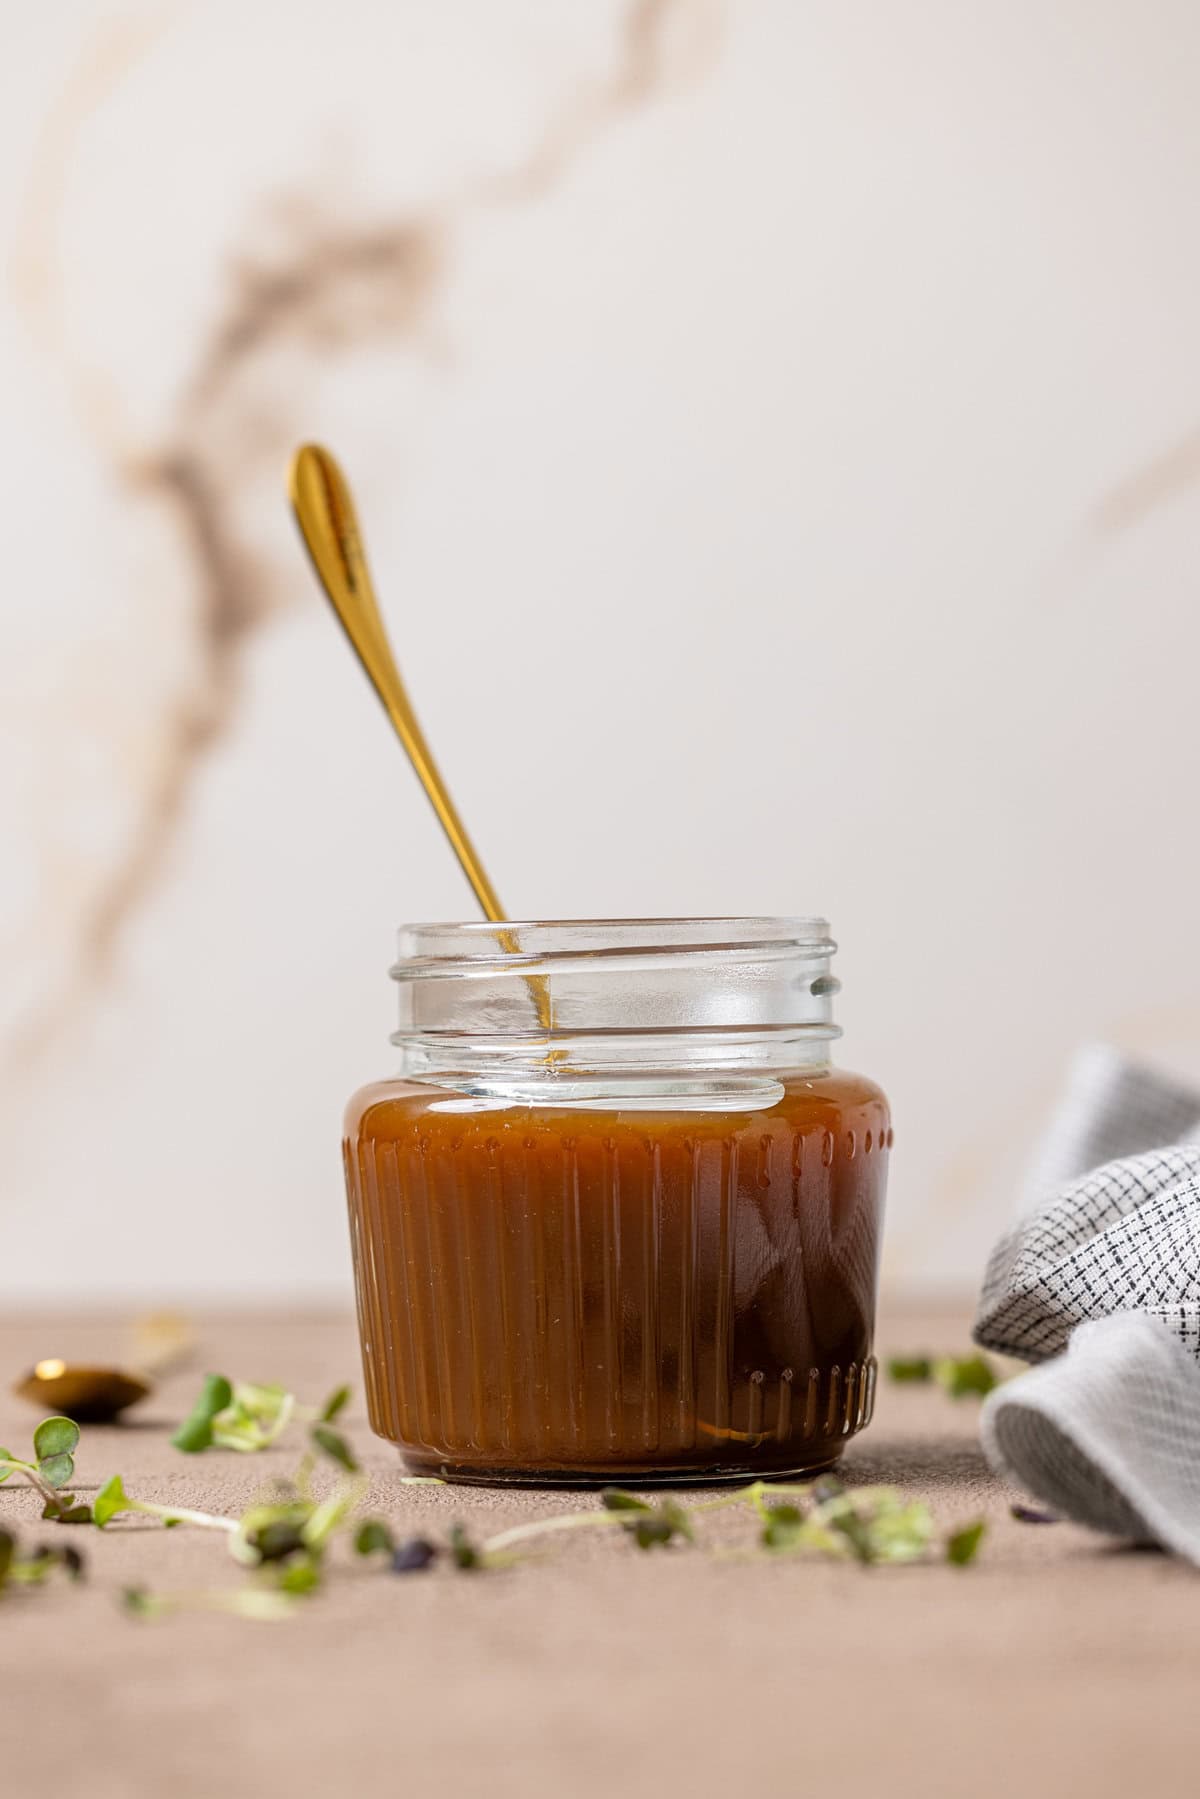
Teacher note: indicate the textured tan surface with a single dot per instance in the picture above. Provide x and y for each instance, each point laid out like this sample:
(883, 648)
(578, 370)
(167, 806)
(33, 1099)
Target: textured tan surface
(1056, 1664)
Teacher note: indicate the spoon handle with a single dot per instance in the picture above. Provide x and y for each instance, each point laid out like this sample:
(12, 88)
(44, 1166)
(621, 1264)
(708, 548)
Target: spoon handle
(325, 513)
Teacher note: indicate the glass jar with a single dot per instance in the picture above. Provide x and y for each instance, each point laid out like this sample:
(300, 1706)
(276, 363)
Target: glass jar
(618, 1218)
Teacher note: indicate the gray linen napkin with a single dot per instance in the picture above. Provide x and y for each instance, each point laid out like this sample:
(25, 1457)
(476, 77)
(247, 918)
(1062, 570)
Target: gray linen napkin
(1107, 1261)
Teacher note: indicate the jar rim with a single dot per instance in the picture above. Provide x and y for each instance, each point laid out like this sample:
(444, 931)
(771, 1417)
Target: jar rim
(516, 946)
(810, 923)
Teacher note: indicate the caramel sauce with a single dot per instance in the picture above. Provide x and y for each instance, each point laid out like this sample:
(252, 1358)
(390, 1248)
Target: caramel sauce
(554, 1294)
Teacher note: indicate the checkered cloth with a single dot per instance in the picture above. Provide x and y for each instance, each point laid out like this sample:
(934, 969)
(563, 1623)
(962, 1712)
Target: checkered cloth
(1105, 1259)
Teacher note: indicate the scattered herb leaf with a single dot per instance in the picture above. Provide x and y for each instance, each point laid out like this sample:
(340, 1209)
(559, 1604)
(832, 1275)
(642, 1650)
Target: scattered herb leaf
(962, 1546)
(616, 1499)
(35, 1568)
(334, 1445)
(783, 1527)
(462, 1551)
(968, 1376)
(961, 1377)
(64, 1509)
(910, 1368)
(373, 1538)
(338, 1399)
(196, 1431)
(55, 1437)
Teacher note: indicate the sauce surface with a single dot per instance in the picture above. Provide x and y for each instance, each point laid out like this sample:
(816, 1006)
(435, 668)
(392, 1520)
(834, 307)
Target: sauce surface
(554, 1294)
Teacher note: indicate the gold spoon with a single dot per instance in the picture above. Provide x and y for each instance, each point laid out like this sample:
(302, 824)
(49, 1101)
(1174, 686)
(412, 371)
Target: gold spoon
(325, 513)
(94, 1394)
(329, 525)
(79, 1390)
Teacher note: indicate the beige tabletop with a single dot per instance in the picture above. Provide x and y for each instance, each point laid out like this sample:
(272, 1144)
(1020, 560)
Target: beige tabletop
(1055, 1664)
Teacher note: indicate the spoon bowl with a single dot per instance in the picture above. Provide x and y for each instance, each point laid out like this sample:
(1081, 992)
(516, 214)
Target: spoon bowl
(88, 1393)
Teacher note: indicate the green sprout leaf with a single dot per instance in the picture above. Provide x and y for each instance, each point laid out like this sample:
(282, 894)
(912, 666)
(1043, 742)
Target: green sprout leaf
(463, 1552)
(783, 1527)
(962, 1546)
(57, 1470)
(55, 1437)
(912, 1368)
(110, 1500)
(72, 1560)
(334, 1445)
(7, 1458)
(332, 1512)
(615, 1499)
(965, 1377)
(36, 1568)
(373, 1538)
(336, 1402)
(651, 1532)
(300, 1576)
(900, 1530)
(196, 1431)
(64, 1509)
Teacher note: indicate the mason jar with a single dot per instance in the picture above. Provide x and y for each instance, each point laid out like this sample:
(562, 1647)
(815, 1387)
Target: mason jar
(616, 1218)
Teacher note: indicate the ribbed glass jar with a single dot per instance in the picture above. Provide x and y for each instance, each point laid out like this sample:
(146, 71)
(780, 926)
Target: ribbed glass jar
(618, 1218)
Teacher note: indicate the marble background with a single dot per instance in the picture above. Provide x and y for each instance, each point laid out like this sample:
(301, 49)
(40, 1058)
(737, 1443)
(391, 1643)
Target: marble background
(778, 430)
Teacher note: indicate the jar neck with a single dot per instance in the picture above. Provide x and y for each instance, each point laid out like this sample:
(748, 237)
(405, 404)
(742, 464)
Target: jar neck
(690, 1013)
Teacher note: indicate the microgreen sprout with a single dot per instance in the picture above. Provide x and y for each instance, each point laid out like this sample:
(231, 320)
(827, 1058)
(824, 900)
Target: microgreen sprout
(966, 1377)
(244, 1416)
(248, 1416)
(112, 1501)
(870, 1524)
(283, 1538)
(262, 1603)
(783, 1527)
(31, 1570)
(962, 1377)
(650, 1526)
(910, 1368)
(54, 1443)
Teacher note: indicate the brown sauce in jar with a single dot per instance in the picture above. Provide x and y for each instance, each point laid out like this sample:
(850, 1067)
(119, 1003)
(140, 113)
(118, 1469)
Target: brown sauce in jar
(559, 1294)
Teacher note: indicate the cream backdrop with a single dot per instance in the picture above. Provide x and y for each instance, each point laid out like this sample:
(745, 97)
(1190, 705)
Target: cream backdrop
(778, 430)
